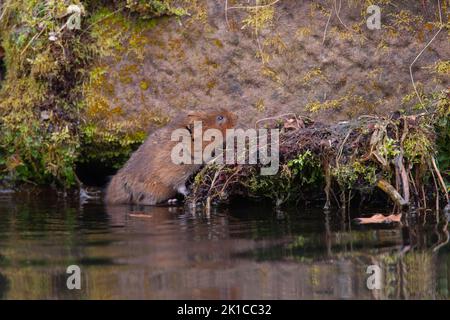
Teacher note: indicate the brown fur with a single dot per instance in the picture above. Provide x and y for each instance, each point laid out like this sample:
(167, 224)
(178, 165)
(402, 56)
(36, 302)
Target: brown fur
(149, 176)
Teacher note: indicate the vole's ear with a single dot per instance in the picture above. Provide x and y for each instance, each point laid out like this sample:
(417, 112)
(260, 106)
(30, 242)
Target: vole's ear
(196, 116)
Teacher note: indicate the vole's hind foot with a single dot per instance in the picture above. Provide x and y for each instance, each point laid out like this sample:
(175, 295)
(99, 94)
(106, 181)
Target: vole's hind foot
(172, 201)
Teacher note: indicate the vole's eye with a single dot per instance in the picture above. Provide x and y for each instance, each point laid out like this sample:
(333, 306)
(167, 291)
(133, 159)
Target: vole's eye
(219, 118)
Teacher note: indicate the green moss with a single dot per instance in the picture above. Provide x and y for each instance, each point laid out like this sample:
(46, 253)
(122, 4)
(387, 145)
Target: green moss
(110, 149)
(110, 133)
(260, 105)
(39, 100)
(416, 145)
(442, 67)
(218, 43)
(144, 85)
(154, 8)
(355, 104)
(311, 75)
(315, 106)
(259, 18)
(294, 177)
(55, 105)
(355, 175)
(389, 148)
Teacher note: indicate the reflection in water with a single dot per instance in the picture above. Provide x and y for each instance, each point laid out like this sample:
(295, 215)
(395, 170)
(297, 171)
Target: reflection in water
(235, 253)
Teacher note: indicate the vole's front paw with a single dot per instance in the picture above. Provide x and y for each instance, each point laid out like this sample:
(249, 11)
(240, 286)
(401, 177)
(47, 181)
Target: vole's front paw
(183, 190)
(172, 201)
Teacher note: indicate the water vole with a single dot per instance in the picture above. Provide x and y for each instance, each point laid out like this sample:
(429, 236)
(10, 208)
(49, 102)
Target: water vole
(150, 177)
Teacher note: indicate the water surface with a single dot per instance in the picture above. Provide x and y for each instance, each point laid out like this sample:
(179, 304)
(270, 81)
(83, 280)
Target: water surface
(240, 252)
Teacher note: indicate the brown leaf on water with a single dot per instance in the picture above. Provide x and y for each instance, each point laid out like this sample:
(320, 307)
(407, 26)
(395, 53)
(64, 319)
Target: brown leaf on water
(140, 215)
(380, 218)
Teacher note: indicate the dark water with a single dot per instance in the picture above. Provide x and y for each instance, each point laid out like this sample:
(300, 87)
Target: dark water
(234, 253)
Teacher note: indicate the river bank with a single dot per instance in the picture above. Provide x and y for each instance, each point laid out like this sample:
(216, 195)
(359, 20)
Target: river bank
(74, 103)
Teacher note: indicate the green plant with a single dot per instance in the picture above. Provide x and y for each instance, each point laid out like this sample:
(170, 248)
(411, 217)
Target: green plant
(154, 8)
(306, 168)
(40, 97)
(355, 175)
(389, 148)
(288, 183)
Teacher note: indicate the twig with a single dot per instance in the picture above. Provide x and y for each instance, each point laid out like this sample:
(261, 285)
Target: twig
(341, 148)
(441, 180)
(436, 187)
(337, 13)
(340, 20)
(392, 192)
(400, 168)
(4, 10)
(276, 117)
(327, 169)
(226, 13)
(326, 27)
(422, 51)
(447, 237)
(336, 199)
(37, 35)
(228, 180)
(424, 197)
(411, 178)
(216, 175)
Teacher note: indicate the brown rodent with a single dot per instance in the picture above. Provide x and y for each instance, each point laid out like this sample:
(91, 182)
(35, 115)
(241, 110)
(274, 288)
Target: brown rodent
(150, 177)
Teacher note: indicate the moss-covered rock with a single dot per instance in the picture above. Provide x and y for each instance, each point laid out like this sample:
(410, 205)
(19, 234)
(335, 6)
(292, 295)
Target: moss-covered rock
(39, 110)
(52, 110)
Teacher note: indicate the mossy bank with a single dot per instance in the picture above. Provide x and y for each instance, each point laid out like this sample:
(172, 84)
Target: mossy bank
(85, 98)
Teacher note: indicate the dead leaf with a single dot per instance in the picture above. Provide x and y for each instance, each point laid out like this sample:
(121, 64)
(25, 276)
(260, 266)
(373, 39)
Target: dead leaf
(140, 215)
(380, 218)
